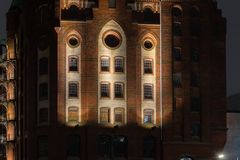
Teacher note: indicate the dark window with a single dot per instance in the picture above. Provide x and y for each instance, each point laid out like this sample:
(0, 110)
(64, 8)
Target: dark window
(148, 15)
(43, 115)
(118, 90)
(73, 64)
(104, 115)
(112, 3)
(104, 146)
(42, 146)
(177, 55)
(73, 145)
(73, 89)
(148, 66)
(177, 29)
(3, 113)
(112, 41)
(148, 116)
(73, 41)
(104, 88)
(74, 12)
(43, 91)
(195, 104)
(105, 64)
(148, 91)
(120, 146)
(195, 55)
(43, 66)
(176, 12)
(119, 115)
(177, 80)
(194, 80)
(3, 93)
(119, 65)
(148, 44)
(194, 12)
(149, 147)
(195, 130)
(195, 29)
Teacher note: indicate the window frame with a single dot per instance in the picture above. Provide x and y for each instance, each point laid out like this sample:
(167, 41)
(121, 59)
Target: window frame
(122, 111)
(152, 64)
(152, 91)
(109, 90)
(123, 64)
(109, 64)
(77, 112)
(77, 90)
(152, 115)
(105, 110)
(122, 88)
(41, 90)
(69, 62)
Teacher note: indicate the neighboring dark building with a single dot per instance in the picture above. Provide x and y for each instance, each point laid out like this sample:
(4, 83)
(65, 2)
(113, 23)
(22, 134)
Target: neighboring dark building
(113, 79)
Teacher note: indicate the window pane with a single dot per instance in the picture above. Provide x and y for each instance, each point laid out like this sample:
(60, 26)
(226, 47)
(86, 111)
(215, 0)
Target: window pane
(118, 64)
(104, 115)
(105, 64)
(43, 91)
(73, 115)
(43, 66)
(43, 115)
(119, 115)
(112, 3)
(177, 80)
(177, 54)
(177, 30)
(42, 146)
(73, 145)
(195, 130)
(148, 116)
(148, 93)
(118, 88)
(105, 90)
(73, 90)
(148, 66)
(176, 12)
(73, 64)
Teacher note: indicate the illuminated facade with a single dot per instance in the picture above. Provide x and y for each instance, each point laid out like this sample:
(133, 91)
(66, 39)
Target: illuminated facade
(136, 79)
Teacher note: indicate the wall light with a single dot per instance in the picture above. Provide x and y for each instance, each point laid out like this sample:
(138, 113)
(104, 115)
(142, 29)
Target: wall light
(221, 156)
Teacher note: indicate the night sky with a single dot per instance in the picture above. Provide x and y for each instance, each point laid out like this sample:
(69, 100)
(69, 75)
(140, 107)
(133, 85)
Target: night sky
(230, 10)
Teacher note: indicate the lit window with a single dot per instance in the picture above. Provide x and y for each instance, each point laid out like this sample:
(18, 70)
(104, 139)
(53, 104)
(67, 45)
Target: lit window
(104, 88)
(73, 89)
(43, 91)
(149, 147)
(104, 115)
(118, 90)
(177, 80)
(195, 130)
(73, 145)
(43, 66)
(43, 115)
(112, 3)
(73, 64)
(177, 55)
(119, 115)
(148, 91)
(148, 116)
(119, 64)
(177, 29)
(148, 66)
(42, 146)
(73, 115)
(105, 64)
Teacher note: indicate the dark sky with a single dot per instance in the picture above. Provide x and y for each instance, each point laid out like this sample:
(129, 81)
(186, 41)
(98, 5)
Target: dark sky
(230, 10)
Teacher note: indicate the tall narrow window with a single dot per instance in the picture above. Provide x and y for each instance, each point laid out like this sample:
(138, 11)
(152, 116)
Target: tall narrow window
(149, 147)
(118, 90)
(177, 55)
(73, 114)
(112, 3)
(73, 64)
(105, 64)
(148, 66)
(73, 89)
(194, 54)
(119, 64)
(104, 115)
(177, 29)
(119, 115)
(148, 91)
(43, 66)
(104, 89)
(177, 80)
(43, 115)
(73, 146)
(42, 146)
(43, 91)
(148, 116)
(195, 130)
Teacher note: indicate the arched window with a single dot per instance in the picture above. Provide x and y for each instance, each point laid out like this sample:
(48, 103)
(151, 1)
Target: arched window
(73, 64)
(43, 115)
(148, 16)
(149, 147)
(43, 66)
(176, 12)
(43, 91)
(73, 146)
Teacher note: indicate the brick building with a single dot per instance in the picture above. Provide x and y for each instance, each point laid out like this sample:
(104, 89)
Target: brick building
(113, 79)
